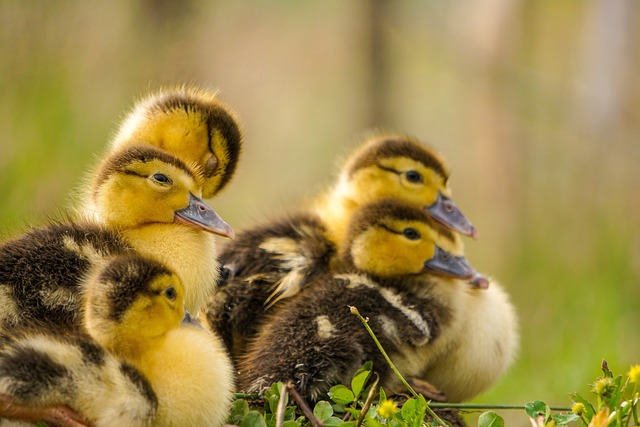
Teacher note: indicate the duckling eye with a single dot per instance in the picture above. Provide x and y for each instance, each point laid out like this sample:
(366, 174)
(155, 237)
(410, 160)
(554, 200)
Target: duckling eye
(414, 176)
(161, 178)
(411, 233)
(171, 293)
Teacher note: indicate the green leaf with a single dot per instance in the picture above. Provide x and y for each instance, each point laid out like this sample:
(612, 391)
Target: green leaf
(253, 419)
(290, 413)
(341, 394)
(589, 410)
(273, 401)
(349, 424)
(240, 407)
(333, 421)
(238, 410)
(368, 366)
(358, 381)
(383, 395)
(372, 422)
(323, 410)
(291, 424)
(413, 411)
(615, 397)
(355, 413)
(490, 419)
(421, 408)
(563, 419)
(409, 411)
(536, 408)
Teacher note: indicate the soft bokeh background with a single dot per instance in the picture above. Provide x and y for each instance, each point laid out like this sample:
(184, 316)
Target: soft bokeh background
(535, 103)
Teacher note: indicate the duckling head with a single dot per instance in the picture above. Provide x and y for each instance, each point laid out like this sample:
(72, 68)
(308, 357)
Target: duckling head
(391, 238)
(192, 124)
(141, 185)
(399, 166)
(131, 303)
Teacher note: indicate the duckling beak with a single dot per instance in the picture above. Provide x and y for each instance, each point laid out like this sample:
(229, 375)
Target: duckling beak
(447, 265)
(479, 281)
(189, 320)
(201, 215)
(447, 213)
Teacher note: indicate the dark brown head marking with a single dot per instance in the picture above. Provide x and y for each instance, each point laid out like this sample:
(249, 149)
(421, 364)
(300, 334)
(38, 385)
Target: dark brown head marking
(119, 161)
(397, 146)
(374, 213)
(125, 279)
(217, 117)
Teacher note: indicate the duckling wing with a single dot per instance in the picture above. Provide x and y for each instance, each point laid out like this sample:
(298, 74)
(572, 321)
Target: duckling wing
(42, 271)
(314, 341)
(44, 369)
(263, 266)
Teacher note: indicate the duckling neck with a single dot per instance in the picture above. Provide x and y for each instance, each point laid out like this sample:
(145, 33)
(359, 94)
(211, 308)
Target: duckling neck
(335, 209)
(184, 371)
(135, 349)
(188, 251)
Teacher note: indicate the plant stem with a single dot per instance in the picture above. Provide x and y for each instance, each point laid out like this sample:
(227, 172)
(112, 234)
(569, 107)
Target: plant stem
(480, 406)
(367, 403)
(364, 321)
(246, 396)
(282, 403)
(302, 405)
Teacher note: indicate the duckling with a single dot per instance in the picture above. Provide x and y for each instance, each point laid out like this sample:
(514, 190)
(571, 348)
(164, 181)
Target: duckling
(274, 261)
(397, 166)
(153, 199)
(144, 202)
(192, 124)
(254, 264)
(135, 362)
(417, 301)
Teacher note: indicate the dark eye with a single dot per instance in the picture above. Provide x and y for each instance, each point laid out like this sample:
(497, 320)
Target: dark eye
(161, 178)
(411, 233)
(414, 176)
(171, 293)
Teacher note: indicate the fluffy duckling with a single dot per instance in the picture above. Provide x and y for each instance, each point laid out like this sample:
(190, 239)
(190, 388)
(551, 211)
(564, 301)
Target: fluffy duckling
(397, 166)
(137, 364)
(192, 124)
(144, 201)
(417, 300)
(153, 199)
(274, 261)
(254, 265)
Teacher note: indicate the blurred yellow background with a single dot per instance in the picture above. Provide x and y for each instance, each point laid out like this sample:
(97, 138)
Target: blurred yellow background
(535, 103)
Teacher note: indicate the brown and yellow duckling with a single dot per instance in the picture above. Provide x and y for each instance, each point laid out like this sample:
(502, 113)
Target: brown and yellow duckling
(145, 201)
(135, 362)
(275, 260)
(416, 297)
(397, 166)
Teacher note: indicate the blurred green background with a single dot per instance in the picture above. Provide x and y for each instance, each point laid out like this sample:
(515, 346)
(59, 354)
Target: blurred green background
(535, 103)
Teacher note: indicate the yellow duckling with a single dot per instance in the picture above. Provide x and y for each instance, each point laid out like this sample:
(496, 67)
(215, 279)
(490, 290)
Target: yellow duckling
(417, 300)
(137, 364)
(397, 166)
(275, 260)
(151, 197)
(192, 124)
(145, 200)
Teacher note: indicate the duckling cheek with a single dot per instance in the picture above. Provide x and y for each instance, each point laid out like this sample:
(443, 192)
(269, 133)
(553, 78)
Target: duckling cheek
(210, 166)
